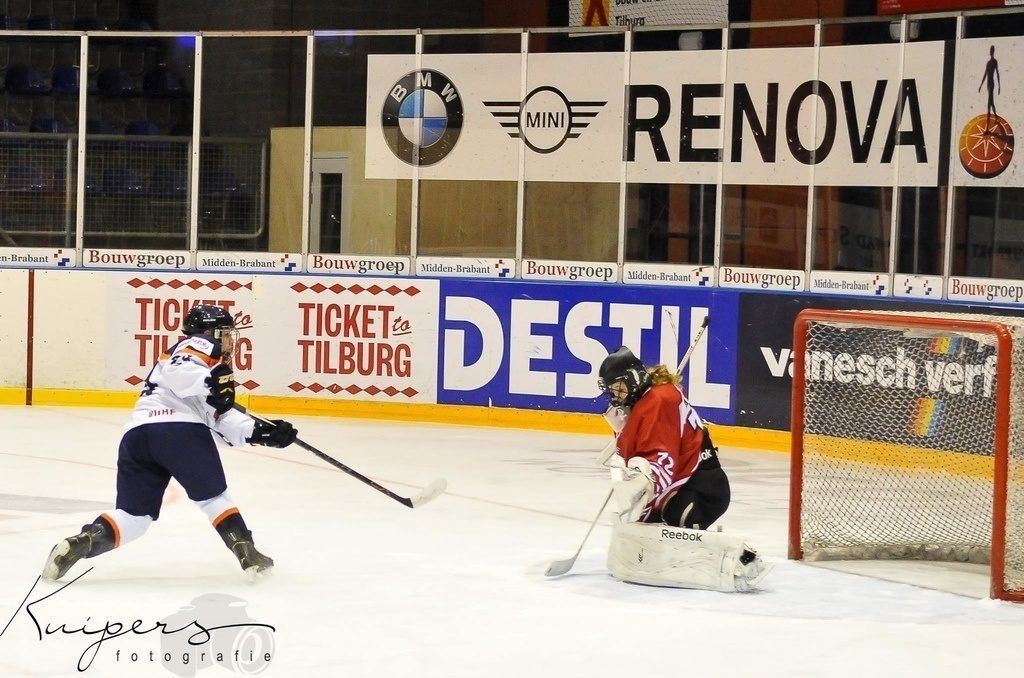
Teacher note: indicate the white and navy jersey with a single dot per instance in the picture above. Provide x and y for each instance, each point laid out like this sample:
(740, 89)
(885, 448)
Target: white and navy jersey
(176, 390)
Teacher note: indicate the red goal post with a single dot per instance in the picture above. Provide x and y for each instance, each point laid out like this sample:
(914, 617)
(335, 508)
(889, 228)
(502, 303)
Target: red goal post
(907, 440)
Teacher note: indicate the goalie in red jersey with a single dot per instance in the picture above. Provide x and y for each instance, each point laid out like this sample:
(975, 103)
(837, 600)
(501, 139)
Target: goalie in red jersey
(666, 474)
(665, 440)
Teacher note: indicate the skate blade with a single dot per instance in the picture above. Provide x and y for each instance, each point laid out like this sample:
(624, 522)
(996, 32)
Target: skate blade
(254, 573)
(51, 572)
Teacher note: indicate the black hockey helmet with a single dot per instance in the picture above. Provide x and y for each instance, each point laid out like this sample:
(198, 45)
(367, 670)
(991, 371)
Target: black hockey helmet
(207, 319)
(622, 366)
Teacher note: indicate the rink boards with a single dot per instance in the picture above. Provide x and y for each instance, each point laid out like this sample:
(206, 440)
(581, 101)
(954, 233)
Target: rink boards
(499, 352)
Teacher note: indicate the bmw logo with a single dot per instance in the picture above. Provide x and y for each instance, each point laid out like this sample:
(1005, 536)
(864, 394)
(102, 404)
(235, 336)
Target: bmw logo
(422, 117)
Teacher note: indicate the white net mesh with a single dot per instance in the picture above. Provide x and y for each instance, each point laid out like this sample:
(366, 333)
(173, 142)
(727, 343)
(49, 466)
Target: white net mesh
(898, 438)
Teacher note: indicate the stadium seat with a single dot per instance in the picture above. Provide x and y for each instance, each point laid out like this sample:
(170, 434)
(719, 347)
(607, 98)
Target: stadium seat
(99, 127)
(89, 23)
(161, 82)
(7, 126)
(47, 126)
(92, 187)
(24, 80)
(42, 22)
(218, 182)
(169, 183)
(142, 128)
(24, 179)
(133, 24)
(181, 129)
(7, 23)
(122, 181)
(113, 82)
(65, 80)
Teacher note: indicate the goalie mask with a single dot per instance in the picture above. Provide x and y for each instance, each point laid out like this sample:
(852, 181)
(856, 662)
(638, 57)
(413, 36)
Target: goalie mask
(623, 377)
(213, 322)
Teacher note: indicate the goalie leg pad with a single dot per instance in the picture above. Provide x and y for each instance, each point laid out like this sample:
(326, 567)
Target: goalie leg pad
(660, 555)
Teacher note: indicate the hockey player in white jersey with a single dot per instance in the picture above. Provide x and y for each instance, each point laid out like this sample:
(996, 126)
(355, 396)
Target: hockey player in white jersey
(188, 394)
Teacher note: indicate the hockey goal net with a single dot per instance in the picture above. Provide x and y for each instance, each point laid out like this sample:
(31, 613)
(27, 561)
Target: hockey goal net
(907, 440)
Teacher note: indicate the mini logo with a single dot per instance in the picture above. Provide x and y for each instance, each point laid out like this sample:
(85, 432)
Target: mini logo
(502, 268)
(640, 556)
(422, 117)
(61, 260)
(701, 275)
(545, 119)
(986, 141)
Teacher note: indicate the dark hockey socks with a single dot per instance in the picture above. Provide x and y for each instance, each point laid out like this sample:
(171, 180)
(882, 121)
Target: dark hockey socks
(238, 539)
(99, 536)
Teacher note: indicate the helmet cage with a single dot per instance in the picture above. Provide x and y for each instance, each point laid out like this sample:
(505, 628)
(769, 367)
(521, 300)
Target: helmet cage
(213, 322)
(636, 381)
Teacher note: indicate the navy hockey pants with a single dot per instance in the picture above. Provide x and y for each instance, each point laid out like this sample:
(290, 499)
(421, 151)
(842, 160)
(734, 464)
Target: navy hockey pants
(151, 454)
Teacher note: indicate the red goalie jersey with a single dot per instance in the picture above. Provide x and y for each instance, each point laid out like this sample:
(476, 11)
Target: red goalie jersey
(664, 429)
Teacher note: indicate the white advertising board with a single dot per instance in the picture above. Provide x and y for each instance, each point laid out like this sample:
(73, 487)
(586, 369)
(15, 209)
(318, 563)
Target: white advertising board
(13, 326)
(989, 106)
(772, 117)
(351, 338)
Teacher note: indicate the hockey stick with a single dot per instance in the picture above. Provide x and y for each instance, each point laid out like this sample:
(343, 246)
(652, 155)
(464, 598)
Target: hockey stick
(559, 567)
(609, 449)
(429, 493)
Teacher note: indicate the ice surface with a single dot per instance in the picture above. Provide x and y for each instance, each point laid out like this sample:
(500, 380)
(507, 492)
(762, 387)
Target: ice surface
(365, 587)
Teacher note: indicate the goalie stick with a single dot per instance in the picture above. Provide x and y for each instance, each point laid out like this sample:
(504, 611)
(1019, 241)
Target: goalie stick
(560, 567)
(429, 493)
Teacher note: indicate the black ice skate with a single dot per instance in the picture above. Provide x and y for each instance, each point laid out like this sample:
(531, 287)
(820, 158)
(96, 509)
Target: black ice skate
(238, 538)
(254, 563)
(94, 539)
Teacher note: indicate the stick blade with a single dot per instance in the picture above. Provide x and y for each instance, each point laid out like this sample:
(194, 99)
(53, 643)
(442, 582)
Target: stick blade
(429, 493)
(559, 567)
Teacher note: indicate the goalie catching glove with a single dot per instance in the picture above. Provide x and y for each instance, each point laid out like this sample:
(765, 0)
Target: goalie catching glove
(632, 486)
(275, 433)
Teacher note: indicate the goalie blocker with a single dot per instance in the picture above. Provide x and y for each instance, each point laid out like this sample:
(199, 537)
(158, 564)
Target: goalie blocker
(660, 555)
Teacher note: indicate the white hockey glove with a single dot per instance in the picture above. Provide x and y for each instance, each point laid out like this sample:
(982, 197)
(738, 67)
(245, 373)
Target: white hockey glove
(632, 486)
(616, 418)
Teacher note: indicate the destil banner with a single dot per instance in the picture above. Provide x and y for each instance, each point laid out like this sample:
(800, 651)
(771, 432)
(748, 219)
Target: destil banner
(539, 346)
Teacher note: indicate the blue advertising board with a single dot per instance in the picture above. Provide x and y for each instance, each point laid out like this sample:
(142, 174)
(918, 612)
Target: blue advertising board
(538, 345)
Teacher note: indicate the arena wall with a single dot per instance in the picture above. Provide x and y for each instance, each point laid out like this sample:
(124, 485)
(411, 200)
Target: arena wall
(505, 353)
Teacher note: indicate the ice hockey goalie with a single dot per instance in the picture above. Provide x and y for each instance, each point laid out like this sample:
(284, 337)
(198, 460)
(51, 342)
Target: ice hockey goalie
(669, 487)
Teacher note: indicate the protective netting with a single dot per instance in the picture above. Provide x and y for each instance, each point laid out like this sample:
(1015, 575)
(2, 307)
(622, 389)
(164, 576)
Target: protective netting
(898, 442)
